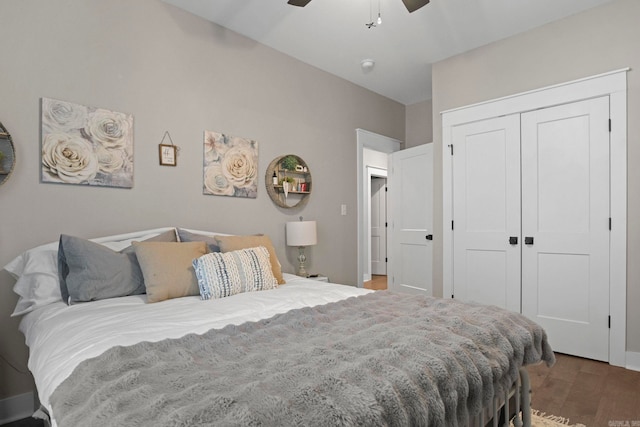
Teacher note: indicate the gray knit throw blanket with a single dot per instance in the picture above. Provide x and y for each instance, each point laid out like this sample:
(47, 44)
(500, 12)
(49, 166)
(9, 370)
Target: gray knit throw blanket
(381, 359)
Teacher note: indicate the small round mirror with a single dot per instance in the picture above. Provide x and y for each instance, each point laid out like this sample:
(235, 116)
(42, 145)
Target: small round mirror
(7, 154)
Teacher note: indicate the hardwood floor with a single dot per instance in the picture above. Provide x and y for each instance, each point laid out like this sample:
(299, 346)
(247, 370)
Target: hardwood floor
(377, 283)
(587, 392)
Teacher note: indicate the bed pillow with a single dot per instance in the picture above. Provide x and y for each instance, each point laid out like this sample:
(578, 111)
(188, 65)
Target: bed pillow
(36, 275)
(224, 274)
(234, 243)
(187, 236)
(167, 268)
(90, 271)
(125, 246)
(36, 270)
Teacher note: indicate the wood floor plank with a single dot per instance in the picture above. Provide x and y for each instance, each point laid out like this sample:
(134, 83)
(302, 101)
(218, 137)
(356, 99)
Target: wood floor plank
(587, 392)
(377, 283)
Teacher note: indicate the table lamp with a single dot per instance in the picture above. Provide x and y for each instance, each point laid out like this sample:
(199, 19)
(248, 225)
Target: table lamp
(301, 233)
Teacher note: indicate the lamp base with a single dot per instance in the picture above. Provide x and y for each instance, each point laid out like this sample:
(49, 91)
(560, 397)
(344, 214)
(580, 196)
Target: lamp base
(301, 260)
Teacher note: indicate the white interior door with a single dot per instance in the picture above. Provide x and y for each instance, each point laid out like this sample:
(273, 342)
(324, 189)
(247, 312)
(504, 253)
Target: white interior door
(565, 213)
(378, 225)
(410, 216)
(486, 212)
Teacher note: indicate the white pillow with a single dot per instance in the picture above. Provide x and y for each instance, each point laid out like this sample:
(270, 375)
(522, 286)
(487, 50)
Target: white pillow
(36, 270)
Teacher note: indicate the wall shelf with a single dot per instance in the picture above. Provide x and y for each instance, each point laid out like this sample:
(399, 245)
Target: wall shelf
(8, 157)
(299, 180)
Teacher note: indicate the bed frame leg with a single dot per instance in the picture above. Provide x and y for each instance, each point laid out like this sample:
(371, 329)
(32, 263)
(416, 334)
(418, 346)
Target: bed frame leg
(523, 397)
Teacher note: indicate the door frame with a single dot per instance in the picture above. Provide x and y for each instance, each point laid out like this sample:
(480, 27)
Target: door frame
(383, 144)
(612, 84)
(373, 172)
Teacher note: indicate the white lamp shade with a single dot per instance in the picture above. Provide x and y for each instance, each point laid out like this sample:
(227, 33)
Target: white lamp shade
(301, 233)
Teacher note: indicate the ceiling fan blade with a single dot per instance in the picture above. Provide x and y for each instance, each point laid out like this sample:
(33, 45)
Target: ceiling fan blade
(413, 5)
(301, 3)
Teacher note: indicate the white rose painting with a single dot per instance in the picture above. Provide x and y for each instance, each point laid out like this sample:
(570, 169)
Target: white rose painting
(86, 145)
(230, 165)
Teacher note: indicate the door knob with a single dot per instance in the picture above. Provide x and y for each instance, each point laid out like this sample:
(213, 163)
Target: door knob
(429, 236)
(513, 240)
(528, 240)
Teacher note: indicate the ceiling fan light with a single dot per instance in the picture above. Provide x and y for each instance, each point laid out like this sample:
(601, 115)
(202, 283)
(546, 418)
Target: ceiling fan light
(379, 19)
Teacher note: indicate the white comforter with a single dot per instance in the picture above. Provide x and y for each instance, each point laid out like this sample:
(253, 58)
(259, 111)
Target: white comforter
(60, 336)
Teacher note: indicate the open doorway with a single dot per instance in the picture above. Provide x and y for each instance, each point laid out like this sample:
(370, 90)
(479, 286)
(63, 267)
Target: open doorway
(372, 152)
(378, 227)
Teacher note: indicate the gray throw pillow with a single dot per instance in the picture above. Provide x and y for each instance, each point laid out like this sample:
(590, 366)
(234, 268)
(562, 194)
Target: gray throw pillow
(187, 236)
(89, 271)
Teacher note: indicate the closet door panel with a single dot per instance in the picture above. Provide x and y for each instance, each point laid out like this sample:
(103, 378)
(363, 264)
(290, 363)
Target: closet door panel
(486, 211)
(565, 209)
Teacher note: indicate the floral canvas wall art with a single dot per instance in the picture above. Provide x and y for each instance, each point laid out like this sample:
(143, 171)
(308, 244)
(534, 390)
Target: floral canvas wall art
(86, 145)
(230, 165)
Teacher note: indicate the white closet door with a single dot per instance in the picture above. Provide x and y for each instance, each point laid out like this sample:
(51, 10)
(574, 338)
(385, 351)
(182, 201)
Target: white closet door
(378, 226)
(565, 210)
(410, 201)
(486, 213)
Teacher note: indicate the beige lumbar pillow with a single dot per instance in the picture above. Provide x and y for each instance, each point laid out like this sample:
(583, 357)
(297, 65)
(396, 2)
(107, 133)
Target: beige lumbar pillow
(234, 243)
(167, 268)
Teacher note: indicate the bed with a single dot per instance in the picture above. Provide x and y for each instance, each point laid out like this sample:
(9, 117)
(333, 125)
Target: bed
(296, 353)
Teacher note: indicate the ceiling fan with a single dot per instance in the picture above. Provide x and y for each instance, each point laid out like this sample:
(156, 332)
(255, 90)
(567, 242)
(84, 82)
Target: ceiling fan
(411, 5)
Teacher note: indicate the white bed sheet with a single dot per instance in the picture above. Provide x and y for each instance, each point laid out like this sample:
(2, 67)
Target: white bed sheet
(60, 336)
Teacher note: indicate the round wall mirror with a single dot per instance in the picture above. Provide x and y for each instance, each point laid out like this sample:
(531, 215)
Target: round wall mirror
(7, 154)
(288, 181)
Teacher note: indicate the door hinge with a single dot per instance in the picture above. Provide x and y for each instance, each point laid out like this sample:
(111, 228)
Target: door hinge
(386, 224)
(452, 224)
(386, 189)
(452, 296)
(451, 147)
(609, 125)
(609, 322)
(609, 224)
(386, 260)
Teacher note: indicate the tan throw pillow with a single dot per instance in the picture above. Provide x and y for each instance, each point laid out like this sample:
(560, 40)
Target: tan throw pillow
(168, 268)
(234, 243)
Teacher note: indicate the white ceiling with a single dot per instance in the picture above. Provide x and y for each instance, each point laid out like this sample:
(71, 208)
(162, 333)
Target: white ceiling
(331, 34)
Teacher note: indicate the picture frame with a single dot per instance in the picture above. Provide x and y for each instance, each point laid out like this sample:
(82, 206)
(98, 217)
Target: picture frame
(97, 144)
(168, 155)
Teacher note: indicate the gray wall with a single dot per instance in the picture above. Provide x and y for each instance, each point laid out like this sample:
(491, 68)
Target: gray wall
(596, 41)
(173, 71)
(419, 124)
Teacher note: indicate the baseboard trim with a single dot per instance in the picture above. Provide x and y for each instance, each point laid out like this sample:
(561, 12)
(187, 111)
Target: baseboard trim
(633, 361)
(16, 407)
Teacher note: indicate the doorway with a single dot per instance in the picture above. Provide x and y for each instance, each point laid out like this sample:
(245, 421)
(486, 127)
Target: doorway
(378, 227)
(378, 221)
(372, 152)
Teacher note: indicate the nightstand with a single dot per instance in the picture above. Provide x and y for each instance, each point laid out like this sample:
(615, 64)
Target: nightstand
(320, 278)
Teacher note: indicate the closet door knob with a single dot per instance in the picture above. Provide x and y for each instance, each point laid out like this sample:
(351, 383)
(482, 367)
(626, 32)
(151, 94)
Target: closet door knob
(429, 236)
(513, 240)
(528, 240)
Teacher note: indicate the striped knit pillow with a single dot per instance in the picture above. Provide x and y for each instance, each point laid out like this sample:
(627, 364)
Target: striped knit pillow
(224, 274)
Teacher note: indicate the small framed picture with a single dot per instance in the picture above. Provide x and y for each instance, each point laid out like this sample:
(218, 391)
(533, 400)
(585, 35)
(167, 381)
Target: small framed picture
(168, 155)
